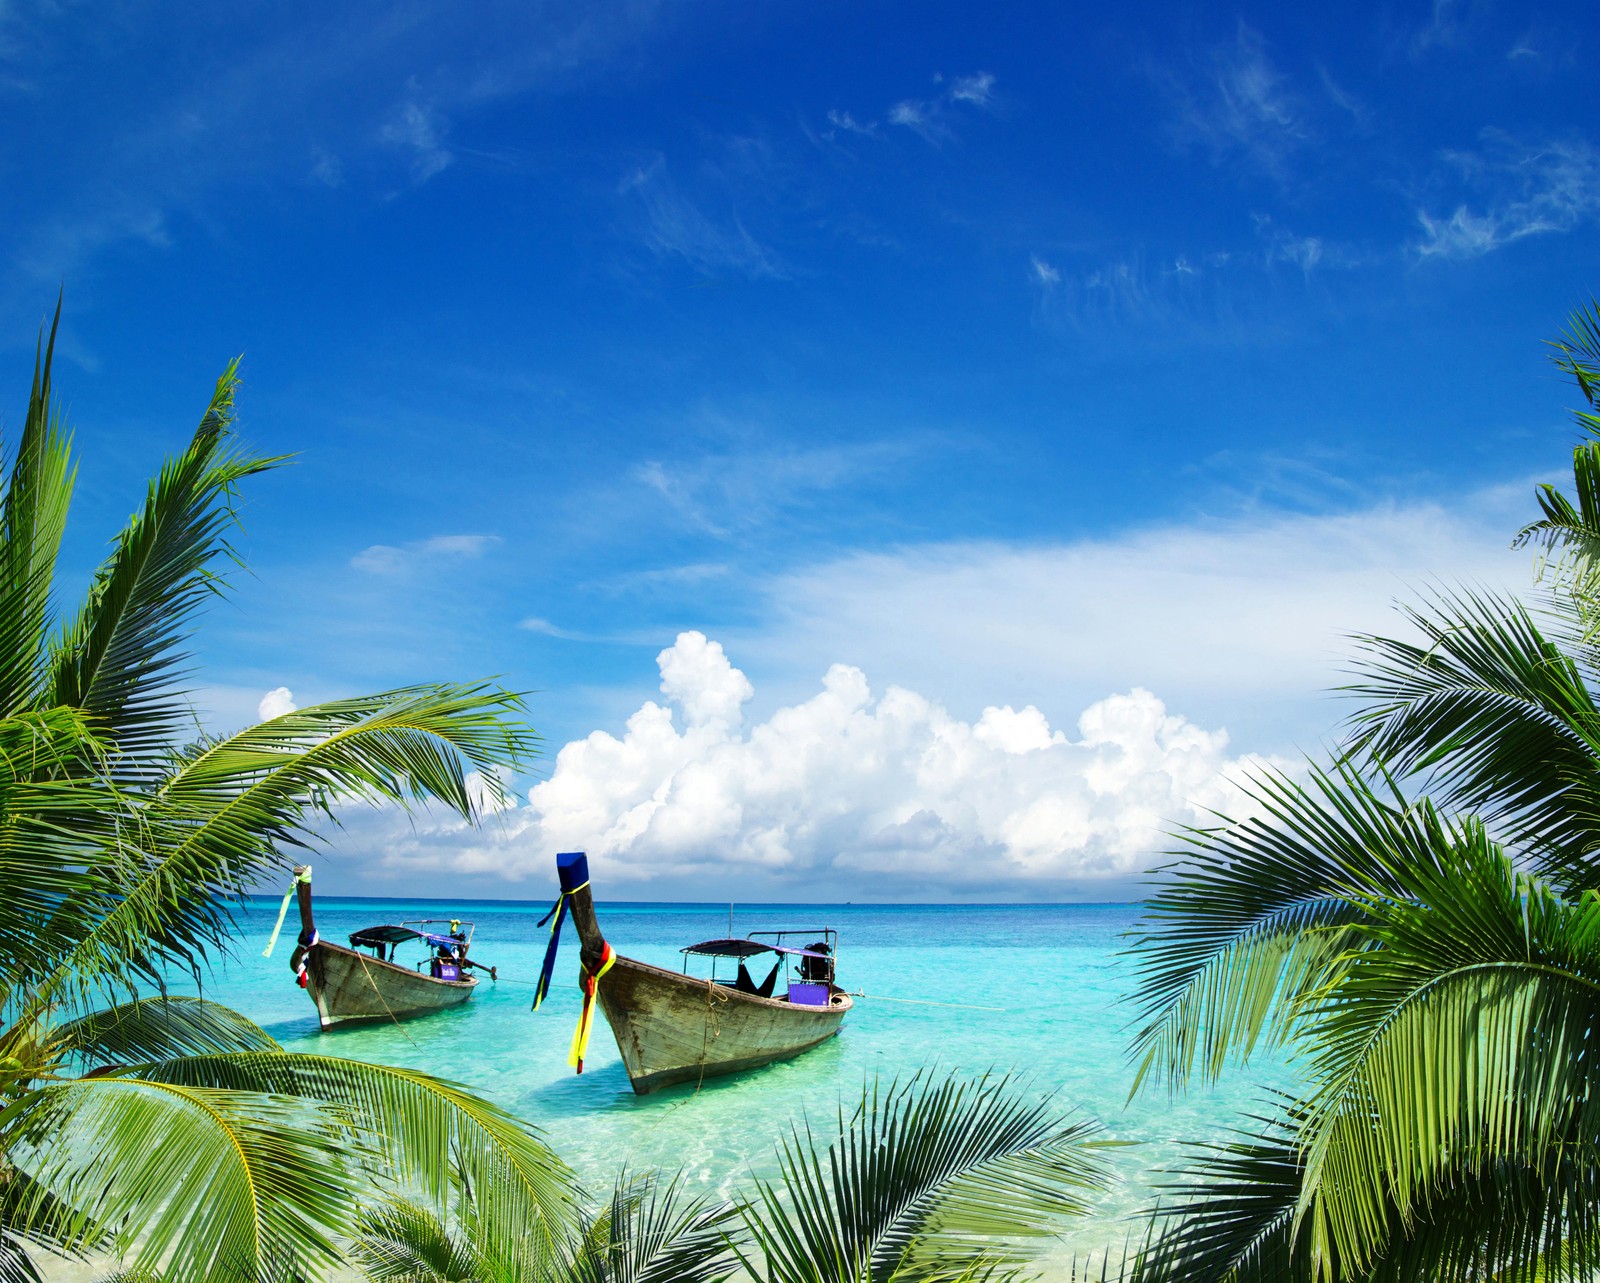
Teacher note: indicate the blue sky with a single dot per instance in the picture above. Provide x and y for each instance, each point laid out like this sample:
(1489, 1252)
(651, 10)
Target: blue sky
(1011, 358)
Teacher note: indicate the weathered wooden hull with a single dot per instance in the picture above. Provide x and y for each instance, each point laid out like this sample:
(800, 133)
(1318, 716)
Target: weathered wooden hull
(350, 986)
(673, 1028)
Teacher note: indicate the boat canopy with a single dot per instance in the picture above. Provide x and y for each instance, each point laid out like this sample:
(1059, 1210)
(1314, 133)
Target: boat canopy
(371, 936)
(748, 949)
(729, 948)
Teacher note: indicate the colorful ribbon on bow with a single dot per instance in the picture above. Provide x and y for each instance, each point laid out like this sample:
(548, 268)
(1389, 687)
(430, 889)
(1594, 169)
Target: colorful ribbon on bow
(590, 985)
(573, 868)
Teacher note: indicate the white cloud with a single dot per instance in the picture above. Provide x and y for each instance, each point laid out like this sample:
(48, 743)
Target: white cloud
(1525, 189)
(977, 89)
(386, 559)
(416, 128)
(275, 703)
(1043, 273)
(874, 791)
(1240, 623)
(1237, 101)
(675, 226)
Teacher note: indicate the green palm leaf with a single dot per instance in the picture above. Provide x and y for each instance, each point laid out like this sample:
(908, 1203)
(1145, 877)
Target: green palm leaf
(1252, 916)
(928, 1180)
(434, 1135)
(33, 517)
(120, 659)
(197, 1183)
(160, 1028)
(223, 818)
(1498, 714)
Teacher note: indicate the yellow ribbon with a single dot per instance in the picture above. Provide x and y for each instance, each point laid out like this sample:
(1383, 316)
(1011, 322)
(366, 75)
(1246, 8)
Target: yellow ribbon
(590, 985)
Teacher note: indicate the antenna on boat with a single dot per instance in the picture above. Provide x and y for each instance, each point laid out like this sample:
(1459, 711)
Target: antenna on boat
(730, 919)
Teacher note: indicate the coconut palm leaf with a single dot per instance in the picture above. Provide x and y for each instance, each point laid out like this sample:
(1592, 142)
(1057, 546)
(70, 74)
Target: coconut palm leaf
(927, 1180)
(1463, 1042)
(433, 1135)
(652, 1232)
(1234, 1218)
(1578, 353)
(1497, 712)
(121, 658)
(16, 1266)
(225, 816)
(33, 517)
(159, 1028)
(402, 1242)
(1252, 916)
(195, 1182)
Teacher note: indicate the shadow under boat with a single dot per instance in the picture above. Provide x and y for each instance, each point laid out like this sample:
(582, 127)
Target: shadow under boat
(673, 1027)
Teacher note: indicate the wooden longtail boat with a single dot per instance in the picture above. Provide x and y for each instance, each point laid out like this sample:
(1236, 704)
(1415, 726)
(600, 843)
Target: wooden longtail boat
(349, 985)
(672, 1027)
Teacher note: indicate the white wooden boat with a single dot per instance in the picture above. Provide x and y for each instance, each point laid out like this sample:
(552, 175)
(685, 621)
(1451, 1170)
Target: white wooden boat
(364, 982)
(672, 1027)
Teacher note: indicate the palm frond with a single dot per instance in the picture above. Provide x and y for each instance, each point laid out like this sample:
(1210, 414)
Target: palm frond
(926, 1178)
(33, 517)
(195, 1182)
(1253, 914)
(121, 658)
(1498, 714)
(159, 1028)
(401, 1242)
(650, 1231)
(433, 1135)
(226, 817)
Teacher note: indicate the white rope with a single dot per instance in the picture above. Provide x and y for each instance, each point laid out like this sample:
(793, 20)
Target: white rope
(927, 1002)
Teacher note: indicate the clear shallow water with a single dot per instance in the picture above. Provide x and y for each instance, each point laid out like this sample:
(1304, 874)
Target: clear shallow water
(1054, 970)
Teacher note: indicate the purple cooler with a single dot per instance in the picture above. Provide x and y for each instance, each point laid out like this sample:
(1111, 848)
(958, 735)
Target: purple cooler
(446, 970)
(808, 995)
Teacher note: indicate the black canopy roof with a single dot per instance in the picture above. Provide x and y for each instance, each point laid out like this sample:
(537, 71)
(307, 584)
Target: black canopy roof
(729, 948)
(395, 935)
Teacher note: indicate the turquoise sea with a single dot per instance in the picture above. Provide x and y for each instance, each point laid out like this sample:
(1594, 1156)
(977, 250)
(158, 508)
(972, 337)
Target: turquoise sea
(1053, 972)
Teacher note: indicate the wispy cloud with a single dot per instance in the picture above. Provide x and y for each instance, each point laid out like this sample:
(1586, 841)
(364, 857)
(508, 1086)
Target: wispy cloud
(418, 130)
(721, 494)
(388, 559)
(933, 117)
(674, 226)
(1044, 275)
(1237, 103)
(977, 89)
(1524, 189)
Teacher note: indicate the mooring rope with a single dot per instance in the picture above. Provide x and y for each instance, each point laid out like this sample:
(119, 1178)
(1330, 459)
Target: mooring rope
(926, 1002)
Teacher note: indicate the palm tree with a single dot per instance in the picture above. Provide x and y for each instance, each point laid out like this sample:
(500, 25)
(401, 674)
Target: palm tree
(930, 1180)
(1432, 962)
(168, 1130)
(646, 1232)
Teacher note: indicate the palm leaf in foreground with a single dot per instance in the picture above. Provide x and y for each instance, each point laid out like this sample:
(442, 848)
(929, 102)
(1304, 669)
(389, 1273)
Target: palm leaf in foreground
(928, 1180)
(434, 1136)
(198, 1183)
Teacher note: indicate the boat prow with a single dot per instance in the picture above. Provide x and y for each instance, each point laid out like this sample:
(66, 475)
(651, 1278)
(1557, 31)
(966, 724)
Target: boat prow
(672, 1027)
(349, 986)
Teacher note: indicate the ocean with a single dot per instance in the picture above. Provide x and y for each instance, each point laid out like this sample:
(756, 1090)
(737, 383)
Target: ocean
(1035, 991)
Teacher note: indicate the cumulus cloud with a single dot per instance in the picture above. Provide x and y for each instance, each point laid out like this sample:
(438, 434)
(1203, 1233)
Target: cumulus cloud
(275, 703)
(847, 788)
